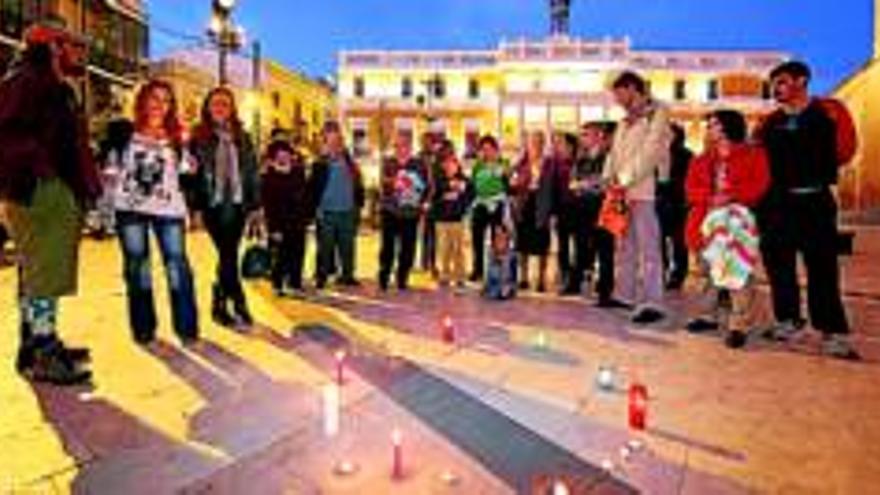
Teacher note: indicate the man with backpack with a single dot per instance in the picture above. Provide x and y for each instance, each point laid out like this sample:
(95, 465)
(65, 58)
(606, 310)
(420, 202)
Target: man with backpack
(47, 178)
(807, 139)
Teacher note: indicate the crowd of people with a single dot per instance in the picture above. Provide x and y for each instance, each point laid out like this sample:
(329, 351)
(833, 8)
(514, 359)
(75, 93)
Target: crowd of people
(628, 205)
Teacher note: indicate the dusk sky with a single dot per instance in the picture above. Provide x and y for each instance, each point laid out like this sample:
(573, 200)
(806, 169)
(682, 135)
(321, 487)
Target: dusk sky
(833, 35)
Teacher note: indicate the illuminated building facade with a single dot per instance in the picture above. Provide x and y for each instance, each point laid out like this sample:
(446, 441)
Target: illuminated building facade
(550, 84)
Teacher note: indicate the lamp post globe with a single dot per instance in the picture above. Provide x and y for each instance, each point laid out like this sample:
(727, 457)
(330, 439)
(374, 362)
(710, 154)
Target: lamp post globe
(224, 5)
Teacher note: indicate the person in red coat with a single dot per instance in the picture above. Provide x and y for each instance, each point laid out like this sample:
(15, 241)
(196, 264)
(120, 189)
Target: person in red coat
(730, 171)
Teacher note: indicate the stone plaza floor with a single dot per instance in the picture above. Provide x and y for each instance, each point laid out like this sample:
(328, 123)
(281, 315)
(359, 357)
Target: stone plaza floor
(510, 406)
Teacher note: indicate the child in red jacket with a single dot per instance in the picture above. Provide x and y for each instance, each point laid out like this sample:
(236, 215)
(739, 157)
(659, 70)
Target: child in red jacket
(729, 173)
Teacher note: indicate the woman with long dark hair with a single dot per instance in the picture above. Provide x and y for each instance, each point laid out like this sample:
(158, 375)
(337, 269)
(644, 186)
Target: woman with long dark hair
(147, 195)
(531, 186)
(227, 194)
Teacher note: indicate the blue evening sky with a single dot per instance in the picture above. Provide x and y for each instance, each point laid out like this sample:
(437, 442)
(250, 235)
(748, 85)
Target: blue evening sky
(833, 35)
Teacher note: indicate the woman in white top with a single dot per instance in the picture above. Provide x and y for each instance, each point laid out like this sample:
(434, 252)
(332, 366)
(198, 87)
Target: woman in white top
(147, 195)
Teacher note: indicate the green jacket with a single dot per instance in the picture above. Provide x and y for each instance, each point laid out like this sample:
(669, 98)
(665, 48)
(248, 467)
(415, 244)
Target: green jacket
(490, 180)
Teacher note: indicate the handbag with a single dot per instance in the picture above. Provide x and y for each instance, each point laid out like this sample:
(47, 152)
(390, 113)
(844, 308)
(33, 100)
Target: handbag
(614, 214)
(257, 260)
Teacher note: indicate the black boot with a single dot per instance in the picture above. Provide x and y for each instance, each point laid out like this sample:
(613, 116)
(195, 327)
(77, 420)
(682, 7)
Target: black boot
(52, 365)
(242, 314)
(219, 309)
(25, 358)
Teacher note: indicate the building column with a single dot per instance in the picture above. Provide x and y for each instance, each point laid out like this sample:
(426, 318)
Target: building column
(548, 124)
(521, 125)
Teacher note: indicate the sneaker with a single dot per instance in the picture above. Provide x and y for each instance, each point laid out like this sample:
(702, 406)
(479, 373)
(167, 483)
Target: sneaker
(524, 285)
(840, 347)
(51, 365)
(783, 332)
(647, 316)
(349, 282)
(542, 288)
(383, 284)
(702, 325)
(736, 339)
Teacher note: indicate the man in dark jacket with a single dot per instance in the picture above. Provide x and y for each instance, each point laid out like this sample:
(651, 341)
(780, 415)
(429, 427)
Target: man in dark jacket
(799, 213)
(404, 194)
(47, 178)
(337, 194)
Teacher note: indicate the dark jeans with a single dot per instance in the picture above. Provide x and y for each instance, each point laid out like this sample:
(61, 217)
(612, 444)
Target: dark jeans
(288, 256)
(336, 237)
(673, 218)
(133, 231)
(398, 235)
(429, 243)
(601, 246)
(572, 233)
(481, 220)
(806, 225)
(225, 225)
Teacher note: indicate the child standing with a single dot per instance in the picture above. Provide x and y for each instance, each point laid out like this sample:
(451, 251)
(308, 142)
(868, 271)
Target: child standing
(722, 184)
(288, 213)
(501, 273)
(452, 198)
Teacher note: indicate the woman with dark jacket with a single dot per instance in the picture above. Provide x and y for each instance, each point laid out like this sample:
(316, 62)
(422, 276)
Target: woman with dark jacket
(531, 187)
(226, 191)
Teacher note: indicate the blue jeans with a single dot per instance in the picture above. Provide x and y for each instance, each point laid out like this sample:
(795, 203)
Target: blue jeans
(133, 230)
(336, 237)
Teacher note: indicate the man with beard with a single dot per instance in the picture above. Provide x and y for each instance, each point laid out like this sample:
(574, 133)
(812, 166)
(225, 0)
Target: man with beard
(47, 177)
(799, 213)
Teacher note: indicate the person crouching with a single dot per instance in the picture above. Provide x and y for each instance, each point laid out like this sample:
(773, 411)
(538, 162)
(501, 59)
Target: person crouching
(501, 274)
(722, 186)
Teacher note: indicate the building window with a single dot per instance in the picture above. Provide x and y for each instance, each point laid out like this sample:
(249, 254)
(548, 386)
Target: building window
(766, 91)
(360, 88)
(439, 87)
(276, 100)
(406, 88)
(680, 90)
(474, 89)
(712, 90)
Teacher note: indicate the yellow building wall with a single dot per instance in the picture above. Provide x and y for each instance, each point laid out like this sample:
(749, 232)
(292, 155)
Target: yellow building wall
(860, 182)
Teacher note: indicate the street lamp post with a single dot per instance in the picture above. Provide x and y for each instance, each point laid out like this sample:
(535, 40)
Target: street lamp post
(224, 33)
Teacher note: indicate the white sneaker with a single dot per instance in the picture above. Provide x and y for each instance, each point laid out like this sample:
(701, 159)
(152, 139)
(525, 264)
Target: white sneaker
(840, 347)
(785, 331)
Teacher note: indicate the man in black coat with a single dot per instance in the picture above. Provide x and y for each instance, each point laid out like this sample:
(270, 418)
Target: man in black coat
(799, 213)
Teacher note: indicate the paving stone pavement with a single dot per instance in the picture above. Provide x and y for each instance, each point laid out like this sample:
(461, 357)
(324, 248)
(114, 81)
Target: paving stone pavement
(242, 413)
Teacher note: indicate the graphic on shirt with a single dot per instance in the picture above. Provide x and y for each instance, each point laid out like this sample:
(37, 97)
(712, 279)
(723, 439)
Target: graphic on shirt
(410, 188)
(147, 180)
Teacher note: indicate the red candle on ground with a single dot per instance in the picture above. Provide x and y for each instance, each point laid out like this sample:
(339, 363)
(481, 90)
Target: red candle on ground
(447, 330)
(397, 445)
(340, 366)
(638, 406)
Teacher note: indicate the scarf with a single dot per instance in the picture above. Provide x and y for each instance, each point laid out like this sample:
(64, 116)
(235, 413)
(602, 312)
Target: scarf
(227, 176)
